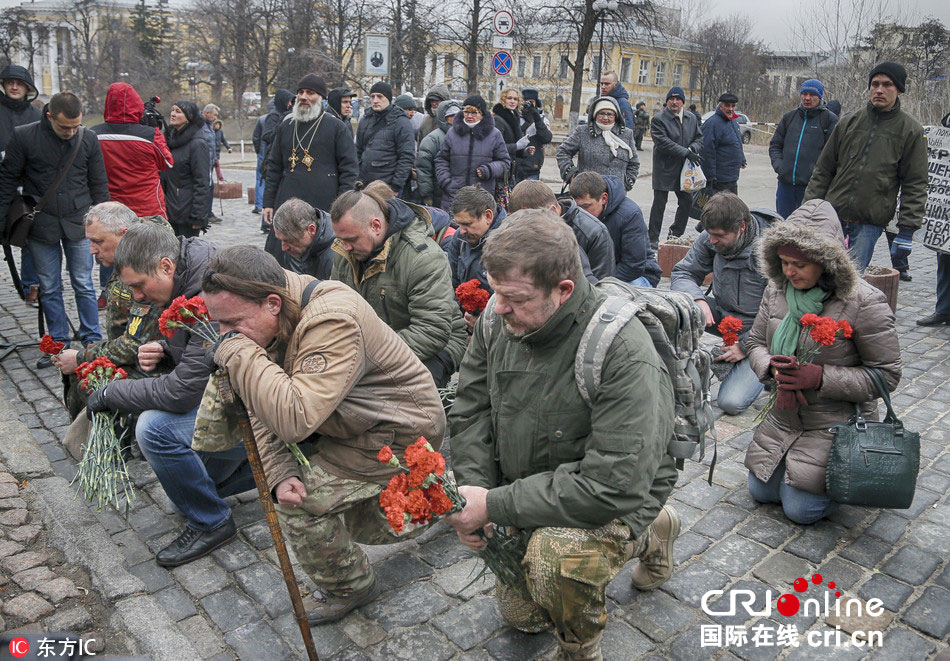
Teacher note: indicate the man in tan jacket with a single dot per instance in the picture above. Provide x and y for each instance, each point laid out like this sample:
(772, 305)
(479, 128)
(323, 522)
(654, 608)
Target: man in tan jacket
(312, 362)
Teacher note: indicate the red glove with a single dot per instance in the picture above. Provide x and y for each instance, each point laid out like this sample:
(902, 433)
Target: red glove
(785, 399)
(805, 376)
(780, 362)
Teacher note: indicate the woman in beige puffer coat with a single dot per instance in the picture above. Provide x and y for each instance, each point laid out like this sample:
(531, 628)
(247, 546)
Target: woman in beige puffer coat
(789, 451)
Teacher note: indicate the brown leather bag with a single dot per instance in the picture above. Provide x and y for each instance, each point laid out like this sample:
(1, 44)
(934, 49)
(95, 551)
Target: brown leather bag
(20, 215)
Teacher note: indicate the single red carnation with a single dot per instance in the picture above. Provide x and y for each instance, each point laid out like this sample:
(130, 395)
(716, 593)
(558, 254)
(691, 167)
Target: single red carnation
(385, 454)
(416, 451)
(418, 507)
(824, 331)
(471, 296)
(845, 328)
(729, 338)
(730, 324)
(440, 502)
(50, 346)
(392, 498)
(399, 482)
(396, 518)
(809, 319)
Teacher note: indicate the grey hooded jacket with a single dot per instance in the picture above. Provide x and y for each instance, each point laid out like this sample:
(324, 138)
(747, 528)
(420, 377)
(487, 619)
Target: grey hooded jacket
(593, 153)
(429, 189)
(430, 122)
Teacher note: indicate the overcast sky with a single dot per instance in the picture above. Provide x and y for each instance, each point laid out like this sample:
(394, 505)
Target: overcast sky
(773, 22)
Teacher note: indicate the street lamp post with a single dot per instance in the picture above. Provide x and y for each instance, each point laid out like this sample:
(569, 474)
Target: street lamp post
(602, 7)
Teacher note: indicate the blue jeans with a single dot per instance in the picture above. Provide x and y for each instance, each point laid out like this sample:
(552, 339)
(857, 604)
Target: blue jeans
(48, 260)
(196, 482)
(862, 237)
(943, 283)
(788, 198)
(739, 389)
(27, 270)
(899, 263)
(259, 184)
(641, 282)
(800, 506)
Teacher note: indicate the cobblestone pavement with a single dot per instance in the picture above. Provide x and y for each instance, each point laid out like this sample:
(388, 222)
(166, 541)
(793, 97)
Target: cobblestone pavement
(233, 603)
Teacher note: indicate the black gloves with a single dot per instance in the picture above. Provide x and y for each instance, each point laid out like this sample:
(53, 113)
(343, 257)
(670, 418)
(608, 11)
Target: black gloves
(210, 351)
(96, 402)
(693, 157)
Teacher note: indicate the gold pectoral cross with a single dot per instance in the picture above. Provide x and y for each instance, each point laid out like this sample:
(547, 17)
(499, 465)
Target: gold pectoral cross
(293, 159)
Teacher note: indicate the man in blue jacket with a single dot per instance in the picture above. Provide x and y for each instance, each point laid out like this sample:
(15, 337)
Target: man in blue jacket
(604, 198)
(610, 86)
(798, 140)
(722, 146)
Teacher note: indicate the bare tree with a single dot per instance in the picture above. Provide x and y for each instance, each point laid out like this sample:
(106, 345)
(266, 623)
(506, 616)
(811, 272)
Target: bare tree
(468, 29)
(733, 62)
(343, 24)
(411, 43)
(21, 35)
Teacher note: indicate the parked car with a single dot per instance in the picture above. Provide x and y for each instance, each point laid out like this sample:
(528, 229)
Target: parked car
(745, 130)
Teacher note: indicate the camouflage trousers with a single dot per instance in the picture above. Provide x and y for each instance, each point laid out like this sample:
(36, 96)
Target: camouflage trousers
(566, 572)
(324, 531)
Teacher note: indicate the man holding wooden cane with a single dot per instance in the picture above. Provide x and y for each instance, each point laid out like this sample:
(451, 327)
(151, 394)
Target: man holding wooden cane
(311, 361)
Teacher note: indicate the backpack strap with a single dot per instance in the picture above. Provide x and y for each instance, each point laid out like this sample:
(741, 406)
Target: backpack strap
(608, 320)
(308, 292)
(824, 120)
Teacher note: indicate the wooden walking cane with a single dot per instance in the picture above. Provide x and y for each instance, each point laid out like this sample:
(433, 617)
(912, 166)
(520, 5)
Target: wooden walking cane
(228, 398)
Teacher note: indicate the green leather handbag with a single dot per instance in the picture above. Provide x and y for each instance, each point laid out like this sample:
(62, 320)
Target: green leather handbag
(874, 464)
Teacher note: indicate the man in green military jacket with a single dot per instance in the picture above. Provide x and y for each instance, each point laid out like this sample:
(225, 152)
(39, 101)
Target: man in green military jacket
(384, 250)
(585, 485)
(128, 323)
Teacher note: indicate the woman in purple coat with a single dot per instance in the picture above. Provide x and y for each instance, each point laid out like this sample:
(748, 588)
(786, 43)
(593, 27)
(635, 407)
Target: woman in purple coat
(473, 153)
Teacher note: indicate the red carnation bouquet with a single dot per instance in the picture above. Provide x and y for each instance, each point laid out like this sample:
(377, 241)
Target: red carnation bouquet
(192, 315)
(423, 490)
(729, 328)
(472, 297)
(50, 346)
(102, 473)
(823, 331)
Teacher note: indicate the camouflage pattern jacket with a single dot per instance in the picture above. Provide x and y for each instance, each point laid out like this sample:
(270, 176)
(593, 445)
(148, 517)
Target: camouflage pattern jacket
(520, 428)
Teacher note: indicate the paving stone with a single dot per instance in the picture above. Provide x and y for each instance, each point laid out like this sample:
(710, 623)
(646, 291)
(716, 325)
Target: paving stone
(816, 541)
(781, 570)
(65, 469)
(930, 536)
(152, 522)
(176, 603)
(902, 643)
(157, 493)
(141, 473)
(250, 639)
(9, 490)
(443, 551)
(76, 618)
(155, 578)
(111, 521)
(942, 464)
(459, 580)
(8, 548)
(929, 612)
(235, 555)
(865, 551)
(58, 589)
(266, 586)
(17, 563)
(351, 654)
(844, 573)
(688, 515)
(28, 579)
(701, 495)
(933, 481)
(328, 639)
(768, 530)
(687, 646)
(133, 548)
(725, 602)
(12, 504)
(471, 623)
(849, 516)
(720, 520)
(201, 577)
(621, 641)
(887, 526)
(805, 652)
(230, 609)
(688, 545)
(411, 644)
(691, 582)
(892, 593)
(53, 451)
(361, 630)
(741, 498)
(944, 578)
(414, 603)
(939, 514)
(513, 645)
(248, 513)
(206, 641)
(735, 555)
(25, 534)
(258, 535)
(400, 569)
(14, 517)
(922, 500)
(28, 606)
(911, 565)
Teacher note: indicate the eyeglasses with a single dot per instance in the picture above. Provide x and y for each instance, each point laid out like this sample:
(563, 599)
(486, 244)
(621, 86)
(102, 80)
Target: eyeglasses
(471, 112)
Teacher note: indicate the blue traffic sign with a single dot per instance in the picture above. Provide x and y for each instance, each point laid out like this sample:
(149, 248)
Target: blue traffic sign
(501, 63)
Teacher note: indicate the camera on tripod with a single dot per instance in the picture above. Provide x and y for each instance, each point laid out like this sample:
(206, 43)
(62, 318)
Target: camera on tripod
(151, 116)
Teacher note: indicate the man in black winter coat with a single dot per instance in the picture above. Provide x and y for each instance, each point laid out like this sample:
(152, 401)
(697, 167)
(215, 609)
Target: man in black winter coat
(33, 158)
(17, 109)
(385, 141)
(605, 198)
(593, 239)
(311, 157)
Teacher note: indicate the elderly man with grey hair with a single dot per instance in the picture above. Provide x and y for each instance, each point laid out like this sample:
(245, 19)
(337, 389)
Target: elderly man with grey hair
(306, 237)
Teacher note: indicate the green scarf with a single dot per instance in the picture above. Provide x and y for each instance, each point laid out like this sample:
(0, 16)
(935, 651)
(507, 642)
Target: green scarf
(785, 340)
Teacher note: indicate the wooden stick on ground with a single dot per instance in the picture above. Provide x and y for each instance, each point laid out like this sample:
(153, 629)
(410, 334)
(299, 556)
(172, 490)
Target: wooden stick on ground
(228, 398)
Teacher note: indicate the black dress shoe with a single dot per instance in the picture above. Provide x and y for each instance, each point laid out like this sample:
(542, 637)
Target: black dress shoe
(44, 362)
(905, 276)
(192, 544)
(936, 319)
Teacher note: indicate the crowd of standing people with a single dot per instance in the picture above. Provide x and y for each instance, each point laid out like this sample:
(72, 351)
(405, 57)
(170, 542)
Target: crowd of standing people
(339, 334)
